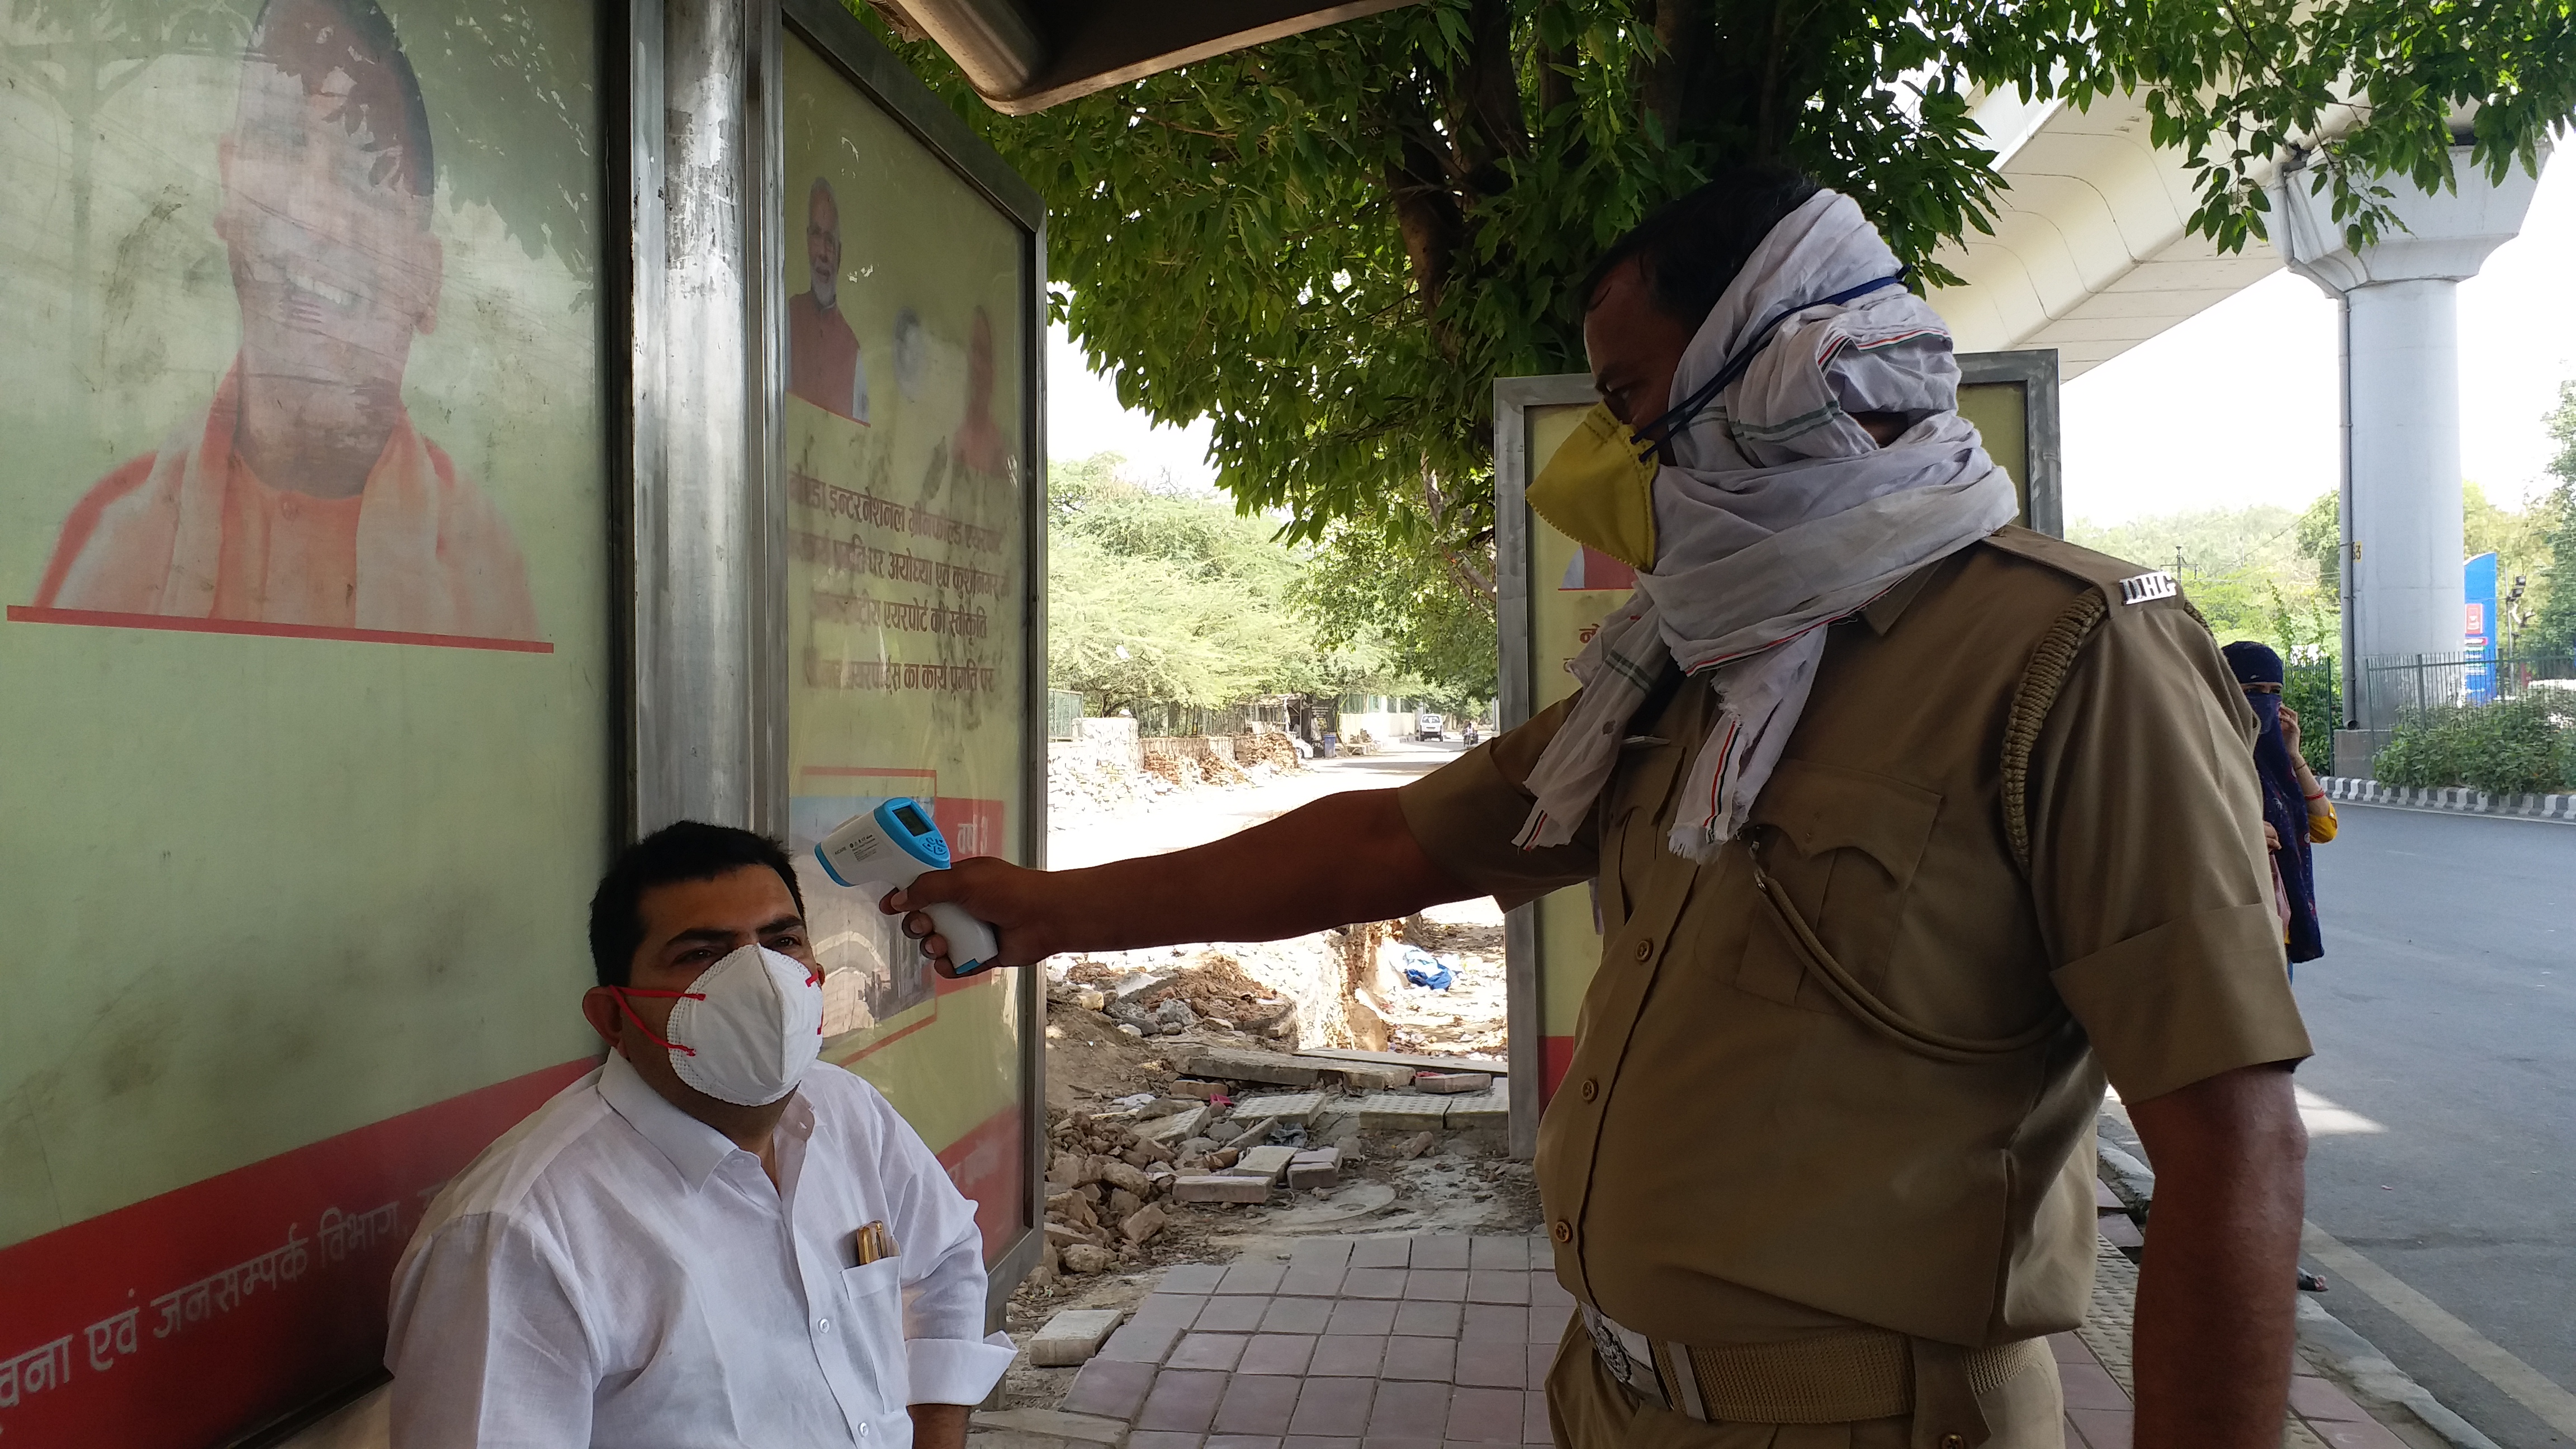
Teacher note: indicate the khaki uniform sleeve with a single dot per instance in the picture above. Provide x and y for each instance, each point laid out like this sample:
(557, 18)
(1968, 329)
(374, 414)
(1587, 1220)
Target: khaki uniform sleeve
(2153, 884)
(1465, 814)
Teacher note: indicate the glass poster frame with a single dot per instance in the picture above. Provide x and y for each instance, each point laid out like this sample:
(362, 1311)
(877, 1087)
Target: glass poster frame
(905, 345)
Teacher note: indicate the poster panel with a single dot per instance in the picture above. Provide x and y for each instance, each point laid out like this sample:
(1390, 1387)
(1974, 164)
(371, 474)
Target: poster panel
(1554, 595)
(909, 468)
(305, 671)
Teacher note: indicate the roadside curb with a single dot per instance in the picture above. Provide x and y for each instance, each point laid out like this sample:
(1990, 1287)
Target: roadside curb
(2327, 1341)
(2373, 1381)
(2457, 800)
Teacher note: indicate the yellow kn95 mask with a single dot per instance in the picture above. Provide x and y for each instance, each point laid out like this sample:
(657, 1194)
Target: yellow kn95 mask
(1598, 490)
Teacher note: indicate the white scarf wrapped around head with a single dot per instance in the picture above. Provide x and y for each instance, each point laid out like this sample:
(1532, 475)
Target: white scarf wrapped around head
(1780, 516)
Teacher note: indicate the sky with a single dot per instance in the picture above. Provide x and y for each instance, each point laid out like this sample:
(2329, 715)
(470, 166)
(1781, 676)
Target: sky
(2235, 407)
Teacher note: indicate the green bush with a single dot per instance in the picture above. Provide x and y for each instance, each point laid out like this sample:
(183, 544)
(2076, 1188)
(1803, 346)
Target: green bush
(2310, 689)
(2521, 747)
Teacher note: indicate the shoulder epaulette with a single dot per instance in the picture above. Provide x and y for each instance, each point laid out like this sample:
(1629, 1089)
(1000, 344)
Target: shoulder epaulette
(2113, 584)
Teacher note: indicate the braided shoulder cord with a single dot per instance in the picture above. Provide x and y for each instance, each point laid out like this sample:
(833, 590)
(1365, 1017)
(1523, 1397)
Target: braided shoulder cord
(2041, 679)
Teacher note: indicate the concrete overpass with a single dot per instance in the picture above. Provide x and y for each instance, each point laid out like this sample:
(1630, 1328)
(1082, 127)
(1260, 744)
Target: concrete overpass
(2091, 256)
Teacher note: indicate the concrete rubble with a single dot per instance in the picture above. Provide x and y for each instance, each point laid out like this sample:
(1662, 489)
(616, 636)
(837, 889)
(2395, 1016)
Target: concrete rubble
(1073, 1336)
(1229, 1137)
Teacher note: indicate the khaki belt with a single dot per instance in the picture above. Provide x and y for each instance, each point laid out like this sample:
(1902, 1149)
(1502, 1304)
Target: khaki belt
(1837, 1378)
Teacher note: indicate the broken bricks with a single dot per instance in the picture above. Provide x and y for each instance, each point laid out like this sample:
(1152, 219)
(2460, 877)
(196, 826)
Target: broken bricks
(1072, 1336)
(1219, 1188)
(1234, 1065)
(1450, 1083)
(1144, 1223)
(1315, 1167)
(1264, 1163)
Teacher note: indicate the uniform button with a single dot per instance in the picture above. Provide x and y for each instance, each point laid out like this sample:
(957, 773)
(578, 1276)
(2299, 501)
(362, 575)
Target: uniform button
(1646, 950)
(1563, 1232)
(1954, 1441)
(824, 1324)
(1591, 1089)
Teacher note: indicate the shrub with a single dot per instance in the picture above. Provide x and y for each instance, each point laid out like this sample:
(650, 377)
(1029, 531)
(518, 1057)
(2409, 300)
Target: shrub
(2519, 747)
(2310, 689)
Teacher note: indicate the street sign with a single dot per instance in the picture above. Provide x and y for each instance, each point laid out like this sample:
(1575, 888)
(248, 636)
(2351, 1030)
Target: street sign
(2477, 634)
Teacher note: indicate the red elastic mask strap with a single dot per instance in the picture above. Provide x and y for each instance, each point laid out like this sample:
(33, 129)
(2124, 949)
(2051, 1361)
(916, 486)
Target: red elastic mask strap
(622, 992)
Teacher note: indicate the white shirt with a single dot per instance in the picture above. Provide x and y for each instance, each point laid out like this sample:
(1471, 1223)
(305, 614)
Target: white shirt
(613, 1271)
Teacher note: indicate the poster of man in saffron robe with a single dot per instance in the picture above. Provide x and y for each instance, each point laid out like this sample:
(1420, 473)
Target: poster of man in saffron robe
(301, 493)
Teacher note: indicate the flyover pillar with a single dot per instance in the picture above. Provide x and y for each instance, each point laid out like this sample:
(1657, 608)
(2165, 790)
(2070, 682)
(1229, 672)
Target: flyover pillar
(2402, 593)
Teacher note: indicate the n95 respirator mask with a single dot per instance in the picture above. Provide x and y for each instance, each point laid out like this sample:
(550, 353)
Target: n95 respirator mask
(745, 1031)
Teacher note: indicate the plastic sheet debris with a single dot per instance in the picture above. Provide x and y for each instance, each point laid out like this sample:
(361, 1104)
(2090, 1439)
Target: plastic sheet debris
(1421, 968)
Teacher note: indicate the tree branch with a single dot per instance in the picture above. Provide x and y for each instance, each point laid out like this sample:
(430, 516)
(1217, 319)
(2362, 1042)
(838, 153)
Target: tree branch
(1426, 212)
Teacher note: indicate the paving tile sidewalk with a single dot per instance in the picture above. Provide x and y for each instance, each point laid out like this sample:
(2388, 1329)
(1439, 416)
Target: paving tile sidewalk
(1426, 1341)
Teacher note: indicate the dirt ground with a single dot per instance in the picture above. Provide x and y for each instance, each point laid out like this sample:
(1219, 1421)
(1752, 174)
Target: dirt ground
(1266, 996)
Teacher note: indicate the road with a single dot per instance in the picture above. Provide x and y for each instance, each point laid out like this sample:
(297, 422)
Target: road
(2442, 1107)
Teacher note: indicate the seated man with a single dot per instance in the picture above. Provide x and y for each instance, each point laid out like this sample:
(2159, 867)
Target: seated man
(713, 1239)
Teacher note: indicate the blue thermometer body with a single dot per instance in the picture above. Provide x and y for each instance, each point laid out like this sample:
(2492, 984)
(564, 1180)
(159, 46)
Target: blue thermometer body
(893, 845)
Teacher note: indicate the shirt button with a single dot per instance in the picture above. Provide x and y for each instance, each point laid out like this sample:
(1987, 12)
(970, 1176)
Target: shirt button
(1954, 1441)
(1646, 950)
(1591, 1089)
(1563, 1232)
(823, 1324)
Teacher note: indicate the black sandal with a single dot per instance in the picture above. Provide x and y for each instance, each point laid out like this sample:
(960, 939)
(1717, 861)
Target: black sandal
(2310, 1282)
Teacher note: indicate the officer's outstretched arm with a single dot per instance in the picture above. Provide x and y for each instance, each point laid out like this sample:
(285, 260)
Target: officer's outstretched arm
(1344, 858)
(2217, 1306)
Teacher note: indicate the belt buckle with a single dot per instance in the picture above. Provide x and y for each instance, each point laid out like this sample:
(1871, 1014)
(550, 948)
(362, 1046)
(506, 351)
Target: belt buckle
(1626, 1354)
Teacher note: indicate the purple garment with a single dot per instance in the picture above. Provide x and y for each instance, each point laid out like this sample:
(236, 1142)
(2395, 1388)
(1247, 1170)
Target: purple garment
(2285, 805)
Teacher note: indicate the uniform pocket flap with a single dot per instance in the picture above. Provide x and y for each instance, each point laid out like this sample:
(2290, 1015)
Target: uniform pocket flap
(1822, 807)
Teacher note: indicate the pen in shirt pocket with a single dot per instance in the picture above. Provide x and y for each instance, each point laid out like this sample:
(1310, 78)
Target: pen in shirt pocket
(872, 1242)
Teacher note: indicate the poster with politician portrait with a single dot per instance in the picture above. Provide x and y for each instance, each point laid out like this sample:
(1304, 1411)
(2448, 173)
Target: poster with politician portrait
(903, 293)
(278, 271)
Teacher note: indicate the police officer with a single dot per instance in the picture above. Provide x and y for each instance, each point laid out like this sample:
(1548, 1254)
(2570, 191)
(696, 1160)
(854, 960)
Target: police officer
(1909, 827)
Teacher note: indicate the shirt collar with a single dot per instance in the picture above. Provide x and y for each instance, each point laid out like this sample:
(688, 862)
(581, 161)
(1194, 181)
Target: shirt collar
(693, 1147)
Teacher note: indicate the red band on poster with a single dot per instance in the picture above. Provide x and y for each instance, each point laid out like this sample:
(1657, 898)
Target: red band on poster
(190, 1317)
(1555, 1059)
(100, 618)
(990, 1166)
(194, 1316)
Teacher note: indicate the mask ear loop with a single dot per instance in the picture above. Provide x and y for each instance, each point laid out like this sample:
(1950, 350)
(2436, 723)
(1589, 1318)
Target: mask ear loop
(1659, 432)
(622, 992)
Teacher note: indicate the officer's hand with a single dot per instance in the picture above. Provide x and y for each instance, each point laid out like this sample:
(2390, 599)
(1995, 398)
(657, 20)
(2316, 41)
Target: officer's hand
(1013, 900)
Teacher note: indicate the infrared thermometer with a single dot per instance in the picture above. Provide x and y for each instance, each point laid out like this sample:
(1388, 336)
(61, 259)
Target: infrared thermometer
(891, 846)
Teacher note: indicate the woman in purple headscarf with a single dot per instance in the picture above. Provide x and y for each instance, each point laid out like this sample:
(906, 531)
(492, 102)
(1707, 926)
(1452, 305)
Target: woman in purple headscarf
(2296, 812)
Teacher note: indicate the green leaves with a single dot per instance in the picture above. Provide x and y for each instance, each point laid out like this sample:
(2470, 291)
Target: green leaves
(1329, 246)
(1178, 599)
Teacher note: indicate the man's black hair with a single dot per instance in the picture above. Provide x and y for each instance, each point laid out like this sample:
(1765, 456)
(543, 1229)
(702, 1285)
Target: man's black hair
(689, 850)
(367, 39)
(1691, 250)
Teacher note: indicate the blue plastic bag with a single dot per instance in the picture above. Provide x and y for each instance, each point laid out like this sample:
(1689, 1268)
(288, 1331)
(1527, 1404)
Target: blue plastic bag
(1421, 968)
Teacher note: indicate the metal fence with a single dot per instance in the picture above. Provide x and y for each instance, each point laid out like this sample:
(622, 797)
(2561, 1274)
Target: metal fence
(2393, 685)
(1064, 714)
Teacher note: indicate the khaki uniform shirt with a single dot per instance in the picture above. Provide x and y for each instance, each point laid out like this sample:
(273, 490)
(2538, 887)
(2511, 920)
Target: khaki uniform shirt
(1736, 1152)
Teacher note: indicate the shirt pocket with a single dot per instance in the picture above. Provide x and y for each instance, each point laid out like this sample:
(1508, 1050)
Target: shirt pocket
(1632, 836)
(1843, 845)
(872, 1309)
